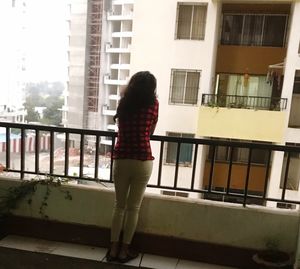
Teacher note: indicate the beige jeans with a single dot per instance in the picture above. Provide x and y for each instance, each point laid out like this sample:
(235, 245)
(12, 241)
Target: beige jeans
(131, 178)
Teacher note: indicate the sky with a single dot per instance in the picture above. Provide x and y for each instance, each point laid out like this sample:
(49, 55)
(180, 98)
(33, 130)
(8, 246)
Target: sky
(42, 42)
(47, 41)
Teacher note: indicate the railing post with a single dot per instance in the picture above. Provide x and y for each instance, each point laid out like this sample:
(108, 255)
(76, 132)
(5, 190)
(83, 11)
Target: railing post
(113, 139)
(7, 148)
(286, 174)
(22, 153)
(37, 150)
(161, 152)
(51, 168)
(67, 154)
(97, 156)
(247, 177)
(194, 167)
(81, 158)
(177, 164)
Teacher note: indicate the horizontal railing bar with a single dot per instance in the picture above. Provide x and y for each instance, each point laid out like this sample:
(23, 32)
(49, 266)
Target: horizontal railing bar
(162, 139)
(249, 101)
(287, 148)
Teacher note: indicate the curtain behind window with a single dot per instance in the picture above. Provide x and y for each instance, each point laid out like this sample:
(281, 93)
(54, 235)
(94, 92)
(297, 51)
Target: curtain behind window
(198, 24)
(192, 85)
(274, 30)
(186, 150)
(184, 21)
(178, 84)
(252, 32)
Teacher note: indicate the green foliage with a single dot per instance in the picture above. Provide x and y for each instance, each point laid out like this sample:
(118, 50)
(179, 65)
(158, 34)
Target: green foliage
(48, 95)
(13, 196)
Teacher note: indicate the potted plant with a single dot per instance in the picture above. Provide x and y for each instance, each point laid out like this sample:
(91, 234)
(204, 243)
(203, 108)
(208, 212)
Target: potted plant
(272, 257)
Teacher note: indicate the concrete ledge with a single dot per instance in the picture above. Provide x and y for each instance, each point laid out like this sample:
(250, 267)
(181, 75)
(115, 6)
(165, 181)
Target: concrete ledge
(194, 221)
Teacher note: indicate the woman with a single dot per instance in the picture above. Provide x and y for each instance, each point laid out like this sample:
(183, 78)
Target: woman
(137, 116)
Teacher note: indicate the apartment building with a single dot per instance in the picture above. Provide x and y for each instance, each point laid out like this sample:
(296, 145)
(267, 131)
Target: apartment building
(225, 70)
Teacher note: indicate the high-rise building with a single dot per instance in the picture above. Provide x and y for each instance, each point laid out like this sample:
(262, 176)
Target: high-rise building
(225, 70)
(13, 60)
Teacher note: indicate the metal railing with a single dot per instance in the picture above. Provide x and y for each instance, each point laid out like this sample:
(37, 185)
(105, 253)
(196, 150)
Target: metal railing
(246, 102)
(52, 132)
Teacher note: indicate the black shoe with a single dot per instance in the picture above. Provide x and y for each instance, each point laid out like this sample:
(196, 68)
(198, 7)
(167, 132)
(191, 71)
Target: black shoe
(130, 256)
(110, 258)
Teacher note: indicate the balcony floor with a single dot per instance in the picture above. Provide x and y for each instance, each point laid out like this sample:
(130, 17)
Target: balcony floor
(17, 252)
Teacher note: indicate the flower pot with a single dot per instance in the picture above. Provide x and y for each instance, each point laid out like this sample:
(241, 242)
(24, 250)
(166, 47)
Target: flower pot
(272, 259)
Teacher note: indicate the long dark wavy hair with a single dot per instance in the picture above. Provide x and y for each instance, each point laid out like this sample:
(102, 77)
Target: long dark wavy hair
(139, 93)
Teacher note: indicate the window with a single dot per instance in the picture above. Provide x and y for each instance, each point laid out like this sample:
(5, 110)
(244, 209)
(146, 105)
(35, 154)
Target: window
(296, 88)
(240, 155)
(175, 193)
(256, 91)
(186, 150)
(294, 170)
(191, 21)
(254, 30)
(286, 206)
(184, 87)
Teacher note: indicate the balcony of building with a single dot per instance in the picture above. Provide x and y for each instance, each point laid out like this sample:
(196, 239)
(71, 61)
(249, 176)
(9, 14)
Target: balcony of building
(120, 66)
(112, 127)
(253, 41)
(294, 120)
(122, 2)
(107, 111)
(116, 16)
(122, 34)
(114, 97)
(109, 81)
(110, 49)
(243, 117)
(78, 210)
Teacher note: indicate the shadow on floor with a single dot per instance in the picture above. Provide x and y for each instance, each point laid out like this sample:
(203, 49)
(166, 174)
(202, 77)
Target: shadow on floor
(20, 259)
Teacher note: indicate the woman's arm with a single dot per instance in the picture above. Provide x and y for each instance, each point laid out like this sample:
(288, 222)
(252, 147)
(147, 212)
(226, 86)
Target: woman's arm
(155, 117)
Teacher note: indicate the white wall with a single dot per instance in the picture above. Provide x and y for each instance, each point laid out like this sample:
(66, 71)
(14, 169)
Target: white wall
(155, 48)
(291, 65)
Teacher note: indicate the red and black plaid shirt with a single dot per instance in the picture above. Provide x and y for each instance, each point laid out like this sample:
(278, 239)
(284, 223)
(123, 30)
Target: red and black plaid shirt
(133, 140)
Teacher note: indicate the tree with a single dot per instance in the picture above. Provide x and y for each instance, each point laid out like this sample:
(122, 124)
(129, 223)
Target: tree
(52, 114)
(44, 94)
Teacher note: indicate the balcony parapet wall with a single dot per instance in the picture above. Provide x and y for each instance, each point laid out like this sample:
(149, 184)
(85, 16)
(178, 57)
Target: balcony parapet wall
(191, 219)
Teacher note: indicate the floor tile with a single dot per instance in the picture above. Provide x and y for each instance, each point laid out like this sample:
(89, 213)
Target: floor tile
(80, 251)
(158, 262)
(28, 243)
(53, 247)
(184, 264)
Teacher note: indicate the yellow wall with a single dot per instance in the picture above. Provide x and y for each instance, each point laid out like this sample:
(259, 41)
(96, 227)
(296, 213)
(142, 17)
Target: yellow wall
(259, 125)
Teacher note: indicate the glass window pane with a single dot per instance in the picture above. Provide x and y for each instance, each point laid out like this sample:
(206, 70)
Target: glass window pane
(184, 21)
(199, 19)
(192, 85)
(252, 32)
(222, 153)
(186, 151)
(232, 29)
(178, 85)
(274, 30)
(296, 88)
